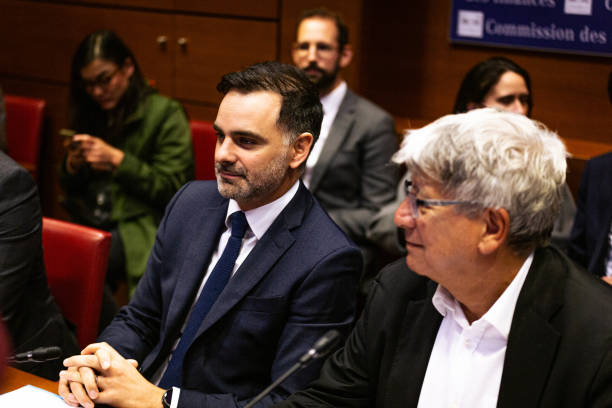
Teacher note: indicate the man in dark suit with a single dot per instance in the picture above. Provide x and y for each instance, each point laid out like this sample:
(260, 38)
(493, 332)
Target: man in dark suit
(294, 276)
(590, 240)
(349, 171)
(481, 312)
(26, 304)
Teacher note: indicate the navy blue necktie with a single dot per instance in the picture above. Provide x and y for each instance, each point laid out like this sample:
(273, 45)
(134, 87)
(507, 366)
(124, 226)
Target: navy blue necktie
(219, 277)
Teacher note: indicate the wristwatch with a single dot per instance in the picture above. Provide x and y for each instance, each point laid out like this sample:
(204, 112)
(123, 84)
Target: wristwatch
(167, 398)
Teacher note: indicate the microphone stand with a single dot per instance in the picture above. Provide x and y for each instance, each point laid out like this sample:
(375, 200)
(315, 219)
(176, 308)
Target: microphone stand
(321, 348)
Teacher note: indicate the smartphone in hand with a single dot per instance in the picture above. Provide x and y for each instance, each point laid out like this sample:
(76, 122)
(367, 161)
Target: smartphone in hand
(67, 134)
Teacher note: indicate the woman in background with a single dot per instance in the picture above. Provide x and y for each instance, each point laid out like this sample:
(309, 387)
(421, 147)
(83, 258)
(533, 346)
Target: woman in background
(130, 152)
(494, 83)
(501, 83)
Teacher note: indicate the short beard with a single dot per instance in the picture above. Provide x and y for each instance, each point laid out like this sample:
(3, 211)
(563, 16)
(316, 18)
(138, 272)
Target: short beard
(259, 185)
(327, 79)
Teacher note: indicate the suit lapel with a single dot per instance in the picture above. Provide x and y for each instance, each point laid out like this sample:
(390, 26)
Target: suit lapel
(533, 340)
(262, 258)
(337, 134)
(207, 229)
(411, 357)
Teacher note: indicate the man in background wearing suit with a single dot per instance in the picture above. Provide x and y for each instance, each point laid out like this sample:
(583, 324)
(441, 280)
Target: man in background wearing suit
(201, 340)
(482, 312)
(26, 304)
(349, 170)
(591, 238)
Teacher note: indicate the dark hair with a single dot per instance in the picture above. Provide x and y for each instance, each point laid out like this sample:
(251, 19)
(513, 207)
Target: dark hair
(482, 77)
(301, 109)
(85, 114)
(322, 12)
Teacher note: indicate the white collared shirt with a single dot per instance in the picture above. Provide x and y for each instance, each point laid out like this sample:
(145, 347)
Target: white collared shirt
(331, 103)
(466, 363)
(259, 220)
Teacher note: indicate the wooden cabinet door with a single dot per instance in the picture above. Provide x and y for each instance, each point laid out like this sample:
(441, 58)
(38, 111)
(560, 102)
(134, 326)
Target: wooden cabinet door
(214, 46)
(38, 40)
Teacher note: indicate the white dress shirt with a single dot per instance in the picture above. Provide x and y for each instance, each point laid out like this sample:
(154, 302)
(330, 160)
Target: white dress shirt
(259, 220)
(466, 363)
(331, 103)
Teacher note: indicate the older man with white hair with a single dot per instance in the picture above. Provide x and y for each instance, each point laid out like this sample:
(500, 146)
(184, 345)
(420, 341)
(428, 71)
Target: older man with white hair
(482, 312)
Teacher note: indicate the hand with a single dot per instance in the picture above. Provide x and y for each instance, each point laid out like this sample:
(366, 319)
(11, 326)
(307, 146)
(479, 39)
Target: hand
(100, 155)
(74, 158)
(607, 279)
(117, 383)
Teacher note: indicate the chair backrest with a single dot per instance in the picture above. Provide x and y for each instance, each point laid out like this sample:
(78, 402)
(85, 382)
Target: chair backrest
(204, 140)
(24, 123)
(75, 259)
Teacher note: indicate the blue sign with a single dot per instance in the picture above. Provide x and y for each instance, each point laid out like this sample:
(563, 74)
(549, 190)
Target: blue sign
(577, 26)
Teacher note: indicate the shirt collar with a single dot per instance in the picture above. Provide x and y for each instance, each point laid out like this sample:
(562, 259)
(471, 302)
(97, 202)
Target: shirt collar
(261, 218)
(500, 314)
(331, 102)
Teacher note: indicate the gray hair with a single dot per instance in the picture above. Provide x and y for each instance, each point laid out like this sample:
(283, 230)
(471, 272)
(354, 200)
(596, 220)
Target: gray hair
(497, 160)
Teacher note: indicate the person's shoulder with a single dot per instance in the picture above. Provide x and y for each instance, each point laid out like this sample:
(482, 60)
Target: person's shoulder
(13, 175)
(399, 282)
(585, 295)
(603, 160)
(160, 104)
(316, 226)
(368, 107)
(18, 188)
(593, 293)
(199, 192)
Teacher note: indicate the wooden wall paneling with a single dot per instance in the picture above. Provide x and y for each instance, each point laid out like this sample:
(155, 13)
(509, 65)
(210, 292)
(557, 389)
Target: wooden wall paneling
(38, 40)
(246, 8)
(215, 46)
(201, 111)
(351, 12)
(413, 71)
(144, 4)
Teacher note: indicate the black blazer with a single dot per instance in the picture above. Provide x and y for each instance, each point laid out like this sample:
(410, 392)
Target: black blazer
(588, 244)
(298, 282)
(26, 305)
(559, 350)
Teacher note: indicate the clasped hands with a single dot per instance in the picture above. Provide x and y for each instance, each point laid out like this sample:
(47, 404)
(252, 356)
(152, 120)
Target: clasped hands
(101, 375)
(92, 150)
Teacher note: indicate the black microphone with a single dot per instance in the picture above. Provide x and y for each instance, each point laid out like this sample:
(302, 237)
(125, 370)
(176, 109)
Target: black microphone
(38, 355)
(321, 348)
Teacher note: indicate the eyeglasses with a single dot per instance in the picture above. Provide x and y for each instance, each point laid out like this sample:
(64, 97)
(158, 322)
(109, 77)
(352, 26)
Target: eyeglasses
(102, 80)
(415, 202)
(322, 49)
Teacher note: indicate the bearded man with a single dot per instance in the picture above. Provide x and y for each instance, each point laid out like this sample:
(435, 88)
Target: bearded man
(348, 170)
(246, 272)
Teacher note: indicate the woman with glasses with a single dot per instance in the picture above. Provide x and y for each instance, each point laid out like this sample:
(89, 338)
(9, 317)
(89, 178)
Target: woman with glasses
(499, 83)
(128, 152)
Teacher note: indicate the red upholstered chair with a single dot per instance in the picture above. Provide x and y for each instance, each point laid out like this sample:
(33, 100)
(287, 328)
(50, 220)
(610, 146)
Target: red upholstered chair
(24, 121)
(75, 259)
(204, 140)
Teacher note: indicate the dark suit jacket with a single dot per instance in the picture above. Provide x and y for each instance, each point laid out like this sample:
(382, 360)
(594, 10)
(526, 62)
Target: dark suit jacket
(297, 283)
(559, 350)
(353, 177)
(26, 305)
(589, 245)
